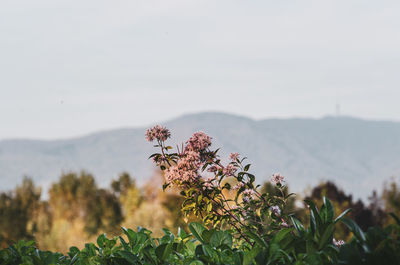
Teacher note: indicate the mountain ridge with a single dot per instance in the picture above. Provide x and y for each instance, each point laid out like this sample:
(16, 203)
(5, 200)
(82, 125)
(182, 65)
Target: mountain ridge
(357, 154)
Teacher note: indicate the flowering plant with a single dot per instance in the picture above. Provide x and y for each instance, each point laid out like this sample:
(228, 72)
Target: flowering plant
(221, 194)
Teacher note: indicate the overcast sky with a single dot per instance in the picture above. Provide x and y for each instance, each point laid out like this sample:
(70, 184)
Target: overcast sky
(68, 68)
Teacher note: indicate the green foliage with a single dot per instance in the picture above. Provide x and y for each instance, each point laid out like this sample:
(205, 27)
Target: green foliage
(365, 215)
(375, 246)
(295, 245)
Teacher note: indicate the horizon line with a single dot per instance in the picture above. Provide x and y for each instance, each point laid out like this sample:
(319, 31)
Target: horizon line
(210, 112)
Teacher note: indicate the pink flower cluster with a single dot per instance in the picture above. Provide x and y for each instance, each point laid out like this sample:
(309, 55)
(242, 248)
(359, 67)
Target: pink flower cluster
(157, 132)
(338, 243)
(234, 156)
(238, 186)
(229, 170)
(210, 183)
(275, 210)
(186, 169)
(198, 142)
(277, 179)
(248, 195)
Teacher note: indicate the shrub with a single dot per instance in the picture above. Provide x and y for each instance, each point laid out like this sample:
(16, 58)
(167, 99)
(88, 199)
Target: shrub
(294, 245)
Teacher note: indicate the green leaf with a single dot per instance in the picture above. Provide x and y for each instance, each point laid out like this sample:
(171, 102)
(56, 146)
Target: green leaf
(290, 194)
(101, 239)
(353, 227)
(196, 262)
(315, 218)
(210, 252)
(124, 244)
(251, 177)
(207, 234)
(327, 211)
(220, 238)
(132, 235)
(130, 257)
(337, 219)
(249, 256)
(197, 229)
(327, 236)
(257, 239)
(298, 226)
(396, 218)
(281, 235)
(238, 258)
(163, 251)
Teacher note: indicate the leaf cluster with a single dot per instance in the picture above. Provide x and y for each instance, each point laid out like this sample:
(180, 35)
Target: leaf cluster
(295, 245)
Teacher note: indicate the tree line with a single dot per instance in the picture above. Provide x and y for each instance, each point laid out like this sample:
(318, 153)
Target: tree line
(77, 209)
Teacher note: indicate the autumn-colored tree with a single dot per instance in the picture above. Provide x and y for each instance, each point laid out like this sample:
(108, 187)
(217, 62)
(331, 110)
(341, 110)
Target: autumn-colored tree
(17, 210)
(391, 199)
(80, 210)
(128, 194)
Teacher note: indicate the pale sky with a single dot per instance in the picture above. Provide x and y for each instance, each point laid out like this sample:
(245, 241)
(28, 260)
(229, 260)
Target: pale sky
(71, 67)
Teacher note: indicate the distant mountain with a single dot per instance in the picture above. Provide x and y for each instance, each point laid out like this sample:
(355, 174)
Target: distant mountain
(357, 154)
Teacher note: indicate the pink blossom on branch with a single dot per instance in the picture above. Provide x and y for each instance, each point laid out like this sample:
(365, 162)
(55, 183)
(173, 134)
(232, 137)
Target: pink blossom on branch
(198, 142)
(157, 132)
(210, 183)
(186, 169)
(238, 186)
(175, 174)
(229, 170)
(234, 156)
(277, 179)
(248, 194)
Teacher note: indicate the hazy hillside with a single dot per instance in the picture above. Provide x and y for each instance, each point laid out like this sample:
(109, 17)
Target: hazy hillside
(359, 155)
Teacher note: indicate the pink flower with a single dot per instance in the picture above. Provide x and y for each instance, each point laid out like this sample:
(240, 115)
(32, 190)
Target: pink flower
(284, 224)
(238, 186)
(157, 132)
(246, 199)
(198, 142)
(209, 184)
(277, 179)
(275, 210)
(338, 243)
(248, 195)
(175, 174)
(229, 170)
(234, 156)
(186, 169)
